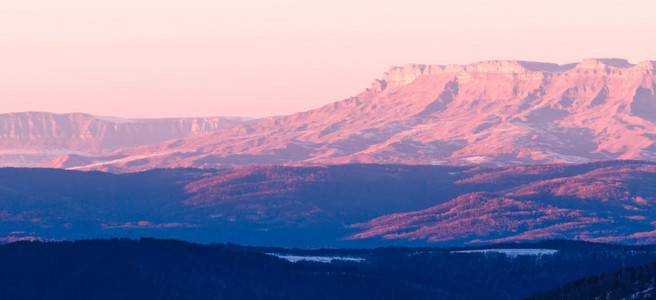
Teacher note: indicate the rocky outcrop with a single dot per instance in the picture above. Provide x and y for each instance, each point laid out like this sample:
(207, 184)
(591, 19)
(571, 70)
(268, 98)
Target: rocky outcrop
(35, 137)
(494, 112)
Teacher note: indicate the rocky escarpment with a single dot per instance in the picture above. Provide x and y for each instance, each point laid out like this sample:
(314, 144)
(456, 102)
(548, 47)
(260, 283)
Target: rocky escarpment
(495, 112)
(35, 137)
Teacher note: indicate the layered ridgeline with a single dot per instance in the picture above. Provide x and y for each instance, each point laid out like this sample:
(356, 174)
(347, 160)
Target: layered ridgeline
(31, 138)
(351, 205)
(497, 112)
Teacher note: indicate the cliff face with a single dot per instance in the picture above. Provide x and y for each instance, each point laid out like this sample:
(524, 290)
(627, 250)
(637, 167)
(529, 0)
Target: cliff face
(35, 137)
(496, 112)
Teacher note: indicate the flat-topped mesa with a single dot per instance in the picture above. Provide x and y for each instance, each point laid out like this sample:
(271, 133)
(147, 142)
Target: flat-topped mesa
(595, 63)
(496, 66)
(398, 76)
(614, 67)
(402, 75)
(486, 113)
(33, 138)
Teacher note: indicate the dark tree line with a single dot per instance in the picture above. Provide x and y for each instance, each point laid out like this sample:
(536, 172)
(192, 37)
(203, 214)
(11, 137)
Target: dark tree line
(628, 283)
(170, 269)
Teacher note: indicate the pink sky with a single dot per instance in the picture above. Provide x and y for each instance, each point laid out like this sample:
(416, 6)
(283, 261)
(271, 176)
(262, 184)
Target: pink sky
(143, 58)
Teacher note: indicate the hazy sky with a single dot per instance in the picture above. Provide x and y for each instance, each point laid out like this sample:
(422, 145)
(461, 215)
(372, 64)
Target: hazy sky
(159, 58)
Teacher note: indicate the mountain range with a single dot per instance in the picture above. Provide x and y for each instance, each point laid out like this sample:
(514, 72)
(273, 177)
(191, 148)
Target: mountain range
(490, 113)
(509, 152)
(493, 151)
(32, 138)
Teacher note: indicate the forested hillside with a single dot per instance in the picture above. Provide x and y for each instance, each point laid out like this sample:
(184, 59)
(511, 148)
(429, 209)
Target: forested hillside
(354, 205)
(170, 269)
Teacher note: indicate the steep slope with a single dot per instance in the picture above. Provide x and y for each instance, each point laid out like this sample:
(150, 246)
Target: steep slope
(31, 138)
(496, 112)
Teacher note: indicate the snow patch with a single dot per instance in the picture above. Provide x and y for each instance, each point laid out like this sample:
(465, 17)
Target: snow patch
(320, 259)
(512, 252)
(476, 159)
(115, 120)
(570, 159)
(43, 151)
(642, 294)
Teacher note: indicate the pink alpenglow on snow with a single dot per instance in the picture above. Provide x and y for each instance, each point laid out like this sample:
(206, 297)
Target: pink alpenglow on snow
(491, 112)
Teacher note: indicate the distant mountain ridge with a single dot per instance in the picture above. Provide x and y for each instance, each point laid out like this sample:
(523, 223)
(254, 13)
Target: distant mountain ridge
(31, 138)
(492, 113)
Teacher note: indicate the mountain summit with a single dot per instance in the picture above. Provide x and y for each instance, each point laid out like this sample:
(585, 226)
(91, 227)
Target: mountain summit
(491, 112)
